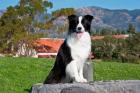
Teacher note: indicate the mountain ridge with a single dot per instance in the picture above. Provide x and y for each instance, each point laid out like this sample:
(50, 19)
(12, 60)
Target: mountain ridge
(104, 18)
(118, 18)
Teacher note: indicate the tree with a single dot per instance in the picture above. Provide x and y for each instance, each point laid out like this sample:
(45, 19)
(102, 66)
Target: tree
(131, 29)
(105, 47)
(131, 49)
(133, 44)
(62, 25)
(63, 11)
(17, 24)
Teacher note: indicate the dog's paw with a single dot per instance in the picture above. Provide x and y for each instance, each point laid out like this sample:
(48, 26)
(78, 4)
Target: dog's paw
(78, 80)
(83, 80)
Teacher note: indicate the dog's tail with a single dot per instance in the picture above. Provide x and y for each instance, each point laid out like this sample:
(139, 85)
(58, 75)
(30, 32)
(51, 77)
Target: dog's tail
(50, 78)
(53, 77)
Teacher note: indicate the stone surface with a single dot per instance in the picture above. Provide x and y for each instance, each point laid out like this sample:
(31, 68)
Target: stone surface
(129, 86)
(76, 90)
(88, 71)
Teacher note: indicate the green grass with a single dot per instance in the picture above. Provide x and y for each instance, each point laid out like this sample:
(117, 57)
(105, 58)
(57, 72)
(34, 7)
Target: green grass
(17, 75)
(116, 71)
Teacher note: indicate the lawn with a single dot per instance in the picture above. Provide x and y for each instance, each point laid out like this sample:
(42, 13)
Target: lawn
(17, 75)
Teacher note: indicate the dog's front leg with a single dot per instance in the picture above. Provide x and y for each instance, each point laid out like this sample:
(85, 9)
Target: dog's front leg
(81, 74)
(72, 71)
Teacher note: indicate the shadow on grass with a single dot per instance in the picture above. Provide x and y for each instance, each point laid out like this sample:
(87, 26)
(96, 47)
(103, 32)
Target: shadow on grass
(28, 90)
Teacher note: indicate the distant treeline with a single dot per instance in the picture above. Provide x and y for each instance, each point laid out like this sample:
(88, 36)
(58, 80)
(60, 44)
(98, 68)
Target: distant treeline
(110, 31)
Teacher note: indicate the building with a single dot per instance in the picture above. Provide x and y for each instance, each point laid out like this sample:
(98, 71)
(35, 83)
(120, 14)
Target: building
(48, 47)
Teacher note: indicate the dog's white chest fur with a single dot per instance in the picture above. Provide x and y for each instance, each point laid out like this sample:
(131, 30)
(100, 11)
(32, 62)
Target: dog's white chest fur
(80, 50)
(80, 47)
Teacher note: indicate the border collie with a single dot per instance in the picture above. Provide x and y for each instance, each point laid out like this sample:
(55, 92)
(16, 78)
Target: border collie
(73, 53)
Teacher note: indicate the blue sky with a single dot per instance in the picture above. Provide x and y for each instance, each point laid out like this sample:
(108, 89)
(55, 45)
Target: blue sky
(57, 4)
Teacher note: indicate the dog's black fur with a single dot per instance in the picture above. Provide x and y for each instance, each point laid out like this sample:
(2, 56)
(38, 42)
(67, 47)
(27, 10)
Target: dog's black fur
(63, 58)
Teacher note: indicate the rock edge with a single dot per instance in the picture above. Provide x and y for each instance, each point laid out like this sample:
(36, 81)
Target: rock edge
(118, 86)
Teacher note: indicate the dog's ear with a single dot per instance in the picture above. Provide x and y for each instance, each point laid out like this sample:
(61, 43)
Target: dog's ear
(72, 17)
(89, 17)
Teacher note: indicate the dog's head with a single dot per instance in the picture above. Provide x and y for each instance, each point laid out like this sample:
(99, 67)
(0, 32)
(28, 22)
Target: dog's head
(79, 24)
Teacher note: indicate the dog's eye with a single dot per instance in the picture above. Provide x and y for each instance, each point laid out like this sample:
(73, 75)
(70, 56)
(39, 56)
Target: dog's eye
(75, 21)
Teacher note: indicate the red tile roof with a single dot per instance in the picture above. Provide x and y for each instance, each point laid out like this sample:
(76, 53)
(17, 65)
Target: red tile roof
(114, 36)
(97, 37)
(49, 45)
(120, 36)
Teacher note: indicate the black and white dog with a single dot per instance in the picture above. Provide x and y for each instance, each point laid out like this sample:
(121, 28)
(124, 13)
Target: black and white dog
(73, 53)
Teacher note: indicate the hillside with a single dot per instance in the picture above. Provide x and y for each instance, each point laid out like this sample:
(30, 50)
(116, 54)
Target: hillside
(118, 19)
(104, 18)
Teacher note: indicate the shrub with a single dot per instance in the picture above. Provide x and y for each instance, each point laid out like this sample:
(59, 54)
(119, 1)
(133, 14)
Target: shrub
(130, 58)
(124, 50)
(107, 48)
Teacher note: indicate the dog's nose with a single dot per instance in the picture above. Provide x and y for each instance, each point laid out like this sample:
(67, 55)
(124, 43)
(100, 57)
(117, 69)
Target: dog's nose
(79, 28)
